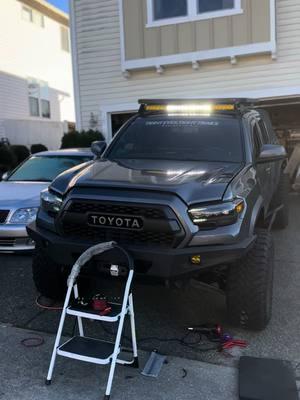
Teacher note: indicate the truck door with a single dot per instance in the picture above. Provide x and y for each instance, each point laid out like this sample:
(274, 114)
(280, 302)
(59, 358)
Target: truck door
(275, 165)
(264, 170)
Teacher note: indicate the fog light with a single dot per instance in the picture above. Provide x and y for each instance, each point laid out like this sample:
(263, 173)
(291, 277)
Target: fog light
(196, 260)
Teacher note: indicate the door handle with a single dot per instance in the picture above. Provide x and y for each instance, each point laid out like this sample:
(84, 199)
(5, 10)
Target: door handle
(268, 170)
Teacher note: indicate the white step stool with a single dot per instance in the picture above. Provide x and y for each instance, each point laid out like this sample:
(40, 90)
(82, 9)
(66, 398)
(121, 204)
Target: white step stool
(93, 350)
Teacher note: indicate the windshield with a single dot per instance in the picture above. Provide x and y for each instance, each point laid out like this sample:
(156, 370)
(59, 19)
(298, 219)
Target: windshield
(202, 138)
(46, 168)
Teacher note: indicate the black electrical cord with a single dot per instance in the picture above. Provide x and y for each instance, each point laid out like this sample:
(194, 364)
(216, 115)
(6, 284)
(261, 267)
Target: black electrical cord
(33, 341)
(296, 369)
(194, 345)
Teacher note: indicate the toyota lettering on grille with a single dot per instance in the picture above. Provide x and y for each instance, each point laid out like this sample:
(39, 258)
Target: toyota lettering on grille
(115, 221)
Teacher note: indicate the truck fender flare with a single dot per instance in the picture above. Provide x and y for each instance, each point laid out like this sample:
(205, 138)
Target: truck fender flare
(256, 213)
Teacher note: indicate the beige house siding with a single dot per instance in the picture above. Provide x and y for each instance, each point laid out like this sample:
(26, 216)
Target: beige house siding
(252, 26)
(103, 88)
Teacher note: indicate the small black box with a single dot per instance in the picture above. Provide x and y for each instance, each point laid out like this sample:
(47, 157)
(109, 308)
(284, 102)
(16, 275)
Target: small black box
(266, 379)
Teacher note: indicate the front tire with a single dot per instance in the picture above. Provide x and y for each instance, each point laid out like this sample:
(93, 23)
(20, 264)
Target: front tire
(250, 285)
(49, 277)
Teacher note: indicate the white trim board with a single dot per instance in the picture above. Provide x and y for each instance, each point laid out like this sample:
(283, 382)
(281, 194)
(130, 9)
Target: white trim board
(214, 54)
(192, 14)
(194, 57)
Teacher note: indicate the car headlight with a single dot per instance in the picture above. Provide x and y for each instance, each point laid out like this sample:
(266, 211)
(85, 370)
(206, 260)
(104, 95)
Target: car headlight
(23, 216)
(50, 202)
(214, 215)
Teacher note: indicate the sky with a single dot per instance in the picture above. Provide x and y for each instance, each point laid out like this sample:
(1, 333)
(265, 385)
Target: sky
(62, 4)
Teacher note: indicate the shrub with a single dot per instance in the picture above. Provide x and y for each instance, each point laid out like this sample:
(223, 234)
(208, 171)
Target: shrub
(36, 148)
(80, 139)
(8, 159)
(21, 152)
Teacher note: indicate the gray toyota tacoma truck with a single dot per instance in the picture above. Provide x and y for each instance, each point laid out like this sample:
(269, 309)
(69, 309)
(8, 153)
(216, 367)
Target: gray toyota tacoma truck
(190, 188)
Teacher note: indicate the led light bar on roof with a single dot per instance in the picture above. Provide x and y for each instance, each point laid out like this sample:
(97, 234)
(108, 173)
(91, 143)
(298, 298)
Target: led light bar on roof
(189, 109)
(195, 106)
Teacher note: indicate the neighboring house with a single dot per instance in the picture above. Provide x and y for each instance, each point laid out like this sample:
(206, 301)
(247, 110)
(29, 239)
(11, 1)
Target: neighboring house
(124, 50)
(36, 84)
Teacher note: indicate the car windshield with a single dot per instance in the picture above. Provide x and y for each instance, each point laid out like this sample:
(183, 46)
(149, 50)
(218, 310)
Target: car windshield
(204, 138)
(46, 168)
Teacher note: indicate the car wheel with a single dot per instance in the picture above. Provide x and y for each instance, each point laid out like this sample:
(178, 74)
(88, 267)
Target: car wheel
(249, 288)
(49, 277)
(281, 198)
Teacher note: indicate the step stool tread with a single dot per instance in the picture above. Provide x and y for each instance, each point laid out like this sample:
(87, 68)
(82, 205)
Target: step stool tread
(94, 314)
(88, 347)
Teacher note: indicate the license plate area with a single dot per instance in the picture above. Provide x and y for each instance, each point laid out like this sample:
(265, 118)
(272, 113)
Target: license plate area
(128, 222)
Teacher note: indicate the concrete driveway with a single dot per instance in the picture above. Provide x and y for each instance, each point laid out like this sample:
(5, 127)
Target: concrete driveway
(166, 314)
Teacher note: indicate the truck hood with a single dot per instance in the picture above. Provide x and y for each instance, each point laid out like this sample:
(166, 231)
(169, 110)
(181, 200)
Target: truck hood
(21, 194)
(191, 181)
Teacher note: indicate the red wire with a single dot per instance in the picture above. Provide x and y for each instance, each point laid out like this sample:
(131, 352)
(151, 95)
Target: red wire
(46, 307)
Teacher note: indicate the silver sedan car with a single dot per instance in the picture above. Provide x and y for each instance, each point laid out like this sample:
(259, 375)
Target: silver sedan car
(20, 193)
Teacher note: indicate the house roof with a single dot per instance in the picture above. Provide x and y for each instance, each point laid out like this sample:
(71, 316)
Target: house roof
(49, 10)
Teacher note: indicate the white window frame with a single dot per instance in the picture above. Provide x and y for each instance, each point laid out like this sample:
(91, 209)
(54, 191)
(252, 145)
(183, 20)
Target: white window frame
(27, 11)
(193, 14)
(34, 14)
(39, 96)
(67, 49)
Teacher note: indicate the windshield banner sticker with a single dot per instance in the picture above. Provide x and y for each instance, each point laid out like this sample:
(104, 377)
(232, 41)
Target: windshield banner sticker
(168, 123)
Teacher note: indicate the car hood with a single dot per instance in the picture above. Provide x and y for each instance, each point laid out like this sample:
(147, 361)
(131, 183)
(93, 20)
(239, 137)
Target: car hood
(21, 194)
(190, 180)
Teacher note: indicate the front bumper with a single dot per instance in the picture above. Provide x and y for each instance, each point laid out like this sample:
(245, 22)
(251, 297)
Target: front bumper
(14, 238)
(162, 263)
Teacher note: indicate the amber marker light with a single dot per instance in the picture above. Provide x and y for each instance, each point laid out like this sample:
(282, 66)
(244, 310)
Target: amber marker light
(196, 259)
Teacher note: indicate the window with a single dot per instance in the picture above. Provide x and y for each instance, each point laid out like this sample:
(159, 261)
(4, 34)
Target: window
(214, 5)
(45, 108)
(46, 168)
(38, 19)
(64, 36)
(169, 9)
(39, 104)
(164, 12)
(34, 106)
(27, 14)
(264, 132)
(256, 140)
(31, 15)
(190, 139)
(33, 93)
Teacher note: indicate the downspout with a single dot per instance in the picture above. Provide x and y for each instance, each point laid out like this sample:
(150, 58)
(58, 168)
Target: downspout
(75, 66)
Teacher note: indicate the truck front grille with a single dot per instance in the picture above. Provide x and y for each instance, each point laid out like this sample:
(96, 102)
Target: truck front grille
(3, 216)
(109, 208)
(119, 236)
(158, 230)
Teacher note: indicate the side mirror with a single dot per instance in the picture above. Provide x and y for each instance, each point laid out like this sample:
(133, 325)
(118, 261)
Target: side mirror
(271, 152)
(98, 148)
(4, 177)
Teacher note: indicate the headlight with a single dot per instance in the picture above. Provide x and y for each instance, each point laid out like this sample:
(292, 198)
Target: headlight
(23, 216)
(50, 202)
(214, 215)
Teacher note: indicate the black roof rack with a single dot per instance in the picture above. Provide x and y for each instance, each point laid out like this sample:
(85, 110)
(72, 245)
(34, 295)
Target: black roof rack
(229, 100)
